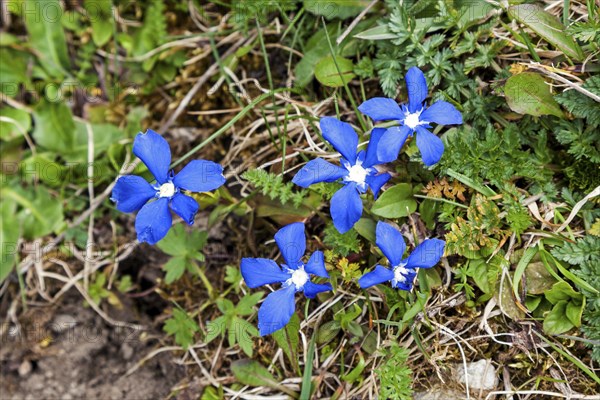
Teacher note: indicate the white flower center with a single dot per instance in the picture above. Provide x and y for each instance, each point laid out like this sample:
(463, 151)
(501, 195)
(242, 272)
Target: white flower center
(412, 120)
(357, 173)
(166, 190)
(299, 277)
(400, 274)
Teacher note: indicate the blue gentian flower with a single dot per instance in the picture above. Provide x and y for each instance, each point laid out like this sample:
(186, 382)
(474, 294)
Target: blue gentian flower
(414, 118)
(133, 193)
(357, 172)
(294, 276)
(402, 272)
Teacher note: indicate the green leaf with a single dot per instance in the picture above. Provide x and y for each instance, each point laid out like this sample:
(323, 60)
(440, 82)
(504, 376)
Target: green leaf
(246, 304)
(43, 214)
(14, 123)
(179, 242)
(395, 202)
(381, 32)
(183, 327)
(215, 329)
(104, 136)
(327, 72)
(101, 18)
(13, 70)
(244, 332)
(330, 9)
(574, 312)
(253, 373)
(528, 93)
(556, 321)
(46, 34)
(561, 291)
(54, 127)
(328, 331)
(175, 268)
(289, 338)
(9, 237)
(548, 27)
(366, 228)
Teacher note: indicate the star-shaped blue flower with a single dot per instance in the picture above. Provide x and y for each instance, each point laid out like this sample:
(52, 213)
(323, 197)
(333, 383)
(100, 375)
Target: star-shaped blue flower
(415, 117)
(357, 172)
(133, 193)
(294, 276)
(402, 272)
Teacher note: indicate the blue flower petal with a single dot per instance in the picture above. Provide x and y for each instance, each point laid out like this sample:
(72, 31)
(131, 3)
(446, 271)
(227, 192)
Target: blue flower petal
(312, 289)
(318, 170)
(391, 242)
(378, 275)
(200, 176)
(131, 192)
(276, 311)
(442, 113)
(346, 207)
(416, 85)
(154, 151)
(381, 109)
(292, 243)
(391, 142)
(376, 182)
(153, 221)
(185, 206)
(316, 265)
(431, 146)
(371, 154)
(427, 254)
(341, 135)
(408, 283)
(262, 271)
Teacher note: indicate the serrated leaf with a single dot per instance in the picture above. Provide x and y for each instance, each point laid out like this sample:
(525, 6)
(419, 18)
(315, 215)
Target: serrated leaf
(396, 202)
(327, 72)
(215, 329)
(246, 304)
(175, 268)
(528, 93)
(547, 26)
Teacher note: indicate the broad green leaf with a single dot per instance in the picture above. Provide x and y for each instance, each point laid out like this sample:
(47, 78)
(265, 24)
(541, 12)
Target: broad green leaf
(13, 71)
(574, 311)
(366, 228)
(104, 136)
(9, 237)
(253, 373)
(556, 321)
(101, 18)
(395, 202)
(244, 332)
(548, 27)
(288, 338)
(41, 214)
(327, 72)
(538, 278)
(528, 93)
(328, 331)
(13, 123)
(561, 291)
(54, 127)
(381, 32)
(341, 9)
(46, 34)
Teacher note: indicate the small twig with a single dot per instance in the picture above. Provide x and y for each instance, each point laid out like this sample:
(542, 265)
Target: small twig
(355, 22)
